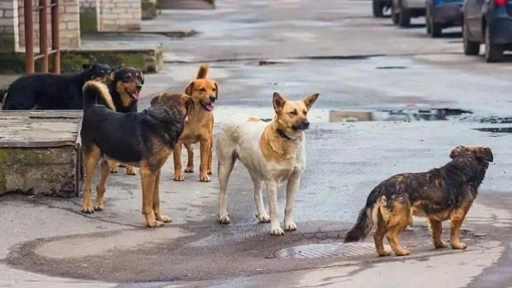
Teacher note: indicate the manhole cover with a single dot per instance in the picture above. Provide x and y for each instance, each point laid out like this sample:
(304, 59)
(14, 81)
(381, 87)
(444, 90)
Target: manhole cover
(326, 250)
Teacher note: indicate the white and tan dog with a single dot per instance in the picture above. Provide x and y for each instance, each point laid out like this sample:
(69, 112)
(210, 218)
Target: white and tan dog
(272, 153)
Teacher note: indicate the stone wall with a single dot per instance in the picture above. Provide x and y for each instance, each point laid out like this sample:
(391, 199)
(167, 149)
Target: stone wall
(8, 25)
(69, 25)
(119, 15)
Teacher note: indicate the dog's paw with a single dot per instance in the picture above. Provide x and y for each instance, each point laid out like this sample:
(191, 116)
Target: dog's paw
(179, 177)
(402, 252)
(131, 170)
(113, 170)
(87, 209)
(276, 231)
(440, 245)
(224, 219)
(189, 170)
(155, 224)
(204, 178)
(459, 245)
(263, 218)
(290, 226)
(384, 253)
(163, 218)
(99, 207)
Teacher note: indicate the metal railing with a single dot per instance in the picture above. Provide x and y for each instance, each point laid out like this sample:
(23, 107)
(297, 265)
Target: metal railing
(44, 54)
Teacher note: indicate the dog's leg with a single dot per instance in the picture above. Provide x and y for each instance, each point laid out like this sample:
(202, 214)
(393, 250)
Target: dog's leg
(113, 166)
(210, 155)
(226, 164)
(102, 186)
(291, 190)
(275, 228)
(176, 154)
(261, 214)
(203, 167)
(148, 179)
(399, 216)
(437, 229)
(378, 237)
(91, 158)
(190, 158)
(130, 170)
(457, 218)
(156, 201)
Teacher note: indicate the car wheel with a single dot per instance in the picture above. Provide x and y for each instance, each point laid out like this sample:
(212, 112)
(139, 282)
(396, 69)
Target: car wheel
(394, 14)
(493, 51)
(470, 47)
(436, 29)
(404, 19)
(377, 8)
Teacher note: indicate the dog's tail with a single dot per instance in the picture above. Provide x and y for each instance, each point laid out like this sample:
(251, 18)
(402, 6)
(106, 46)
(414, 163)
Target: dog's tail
(203, 71)
(97, 92)
(368, 216)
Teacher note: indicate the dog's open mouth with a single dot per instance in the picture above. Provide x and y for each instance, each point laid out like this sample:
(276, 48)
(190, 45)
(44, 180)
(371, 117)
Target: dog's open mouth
(208, 106)
(135, 94)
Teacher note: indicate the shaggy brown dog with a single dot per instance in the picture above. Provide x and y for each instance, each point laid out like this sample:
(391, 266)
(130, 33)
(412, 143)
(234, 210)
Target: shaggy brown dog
(144, 139)
(199, 127)
(440, 194)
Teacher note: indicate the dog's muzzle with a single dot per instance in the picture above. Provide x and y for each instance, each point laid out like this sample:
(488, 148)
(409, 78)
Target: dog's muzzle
(301, 126)
(213, 98)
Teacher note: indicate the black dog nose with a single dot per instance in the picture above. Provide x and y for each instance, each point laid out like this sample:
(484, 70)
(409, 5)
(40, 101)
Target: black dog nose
(212, 98)
(305, 124)
(139, 86)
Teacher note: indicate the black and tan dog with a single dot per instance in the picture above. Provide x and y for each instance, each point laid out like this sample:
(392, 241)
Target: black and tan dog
(199, 127)
(47, 91)
(143, 139)
(124, 86)
(444, 193)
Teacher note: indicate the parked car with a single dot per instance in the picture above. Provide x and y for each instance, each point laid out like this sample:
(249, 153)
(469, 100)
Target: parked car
(488, 22)
(442, 14)
(379, 6)
(403, 10)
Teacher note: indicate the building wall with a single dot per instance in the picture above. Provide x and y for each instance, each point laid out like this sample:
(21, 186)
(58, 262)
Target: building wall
(8, 25)
(69, 25)
(119, 15)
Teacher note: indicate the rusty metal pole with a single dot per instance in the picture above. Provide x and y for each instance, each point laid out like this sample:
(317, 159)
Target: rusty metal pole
(55, 36)
(29, 37)
(43, 34)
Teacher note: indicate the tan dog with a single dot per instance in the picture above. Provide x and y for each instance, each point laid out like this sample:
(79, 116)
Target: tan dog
(198, 127)
(272, 153)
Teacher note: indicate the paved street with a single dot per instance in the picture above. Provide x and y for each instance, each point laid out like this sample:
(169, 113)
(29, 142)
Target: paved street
(355, 62)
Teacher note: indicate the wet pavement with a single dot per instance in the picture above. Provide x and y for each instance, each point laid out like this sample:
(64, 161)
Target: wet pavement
(356, 63)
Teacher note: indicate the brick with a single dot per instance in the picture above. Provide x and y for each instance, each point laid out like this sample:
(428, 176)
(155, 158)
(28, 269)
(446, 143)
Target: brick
(8, 13)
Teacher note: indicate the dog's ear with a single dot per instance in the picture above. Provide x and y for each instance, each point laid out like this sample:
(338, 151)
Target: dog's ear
(189, 88)
(216, 90)
(457, 151)
(484, 153)
(86, 67)
(155, 99)
(278, 101)
(310, 100)
(188, 102)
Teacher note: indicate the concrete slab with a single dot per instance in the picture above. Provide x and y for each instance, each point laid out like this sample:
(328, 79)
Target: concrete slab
(39, 152)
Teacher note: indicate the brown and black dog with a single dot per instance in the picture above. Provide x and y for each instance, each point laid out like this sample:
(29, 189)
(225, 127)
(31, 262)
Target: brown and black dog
(124, 86)
(444, 193)
(198, 127)
(142, 139)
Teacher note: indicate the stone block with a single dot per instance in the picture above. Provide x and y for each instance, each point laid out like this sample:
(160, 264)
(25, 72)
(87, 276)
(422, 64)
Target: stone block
(40, 152)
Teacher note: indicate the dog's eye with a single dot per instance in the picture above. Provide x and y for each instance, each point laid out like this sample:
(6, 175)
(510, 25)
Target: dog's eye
(305, 112)
(293, 113)
(202, 89)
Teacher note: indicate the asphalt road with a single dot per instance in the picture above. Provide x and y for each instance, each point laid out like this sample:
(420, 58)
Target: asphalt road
(296, 47)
